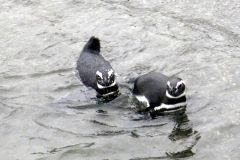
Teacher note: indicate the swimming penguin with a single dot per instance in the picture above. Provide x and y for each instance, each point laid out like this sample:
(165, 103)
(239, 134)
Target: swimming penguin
(95, 71)
(160, 92)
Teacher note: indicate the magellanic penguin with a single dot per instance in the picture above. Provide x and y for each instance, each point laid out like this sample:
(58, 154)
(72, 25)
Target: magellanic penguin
(160, 92)
(95, 71)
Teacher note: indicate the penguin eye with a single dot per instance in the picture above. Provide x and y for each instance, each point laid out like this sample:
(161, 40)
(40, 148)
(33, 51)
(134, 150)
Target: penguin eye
(112, 76)
(180, 86)
(98, 77)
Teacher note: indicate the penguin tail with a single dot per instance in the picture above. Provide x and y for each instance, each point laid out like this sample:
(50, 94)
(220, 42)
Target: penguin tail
(93, 44)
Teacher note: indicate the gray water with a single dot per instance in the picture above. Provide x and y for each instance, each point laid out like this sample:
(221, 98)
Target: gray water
(46, 113)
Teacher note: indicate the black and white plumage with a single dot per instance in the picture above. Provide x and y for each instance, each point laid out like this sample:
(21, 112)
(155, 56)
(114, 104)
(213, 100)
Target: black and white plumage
(160, 92)
(95, 71)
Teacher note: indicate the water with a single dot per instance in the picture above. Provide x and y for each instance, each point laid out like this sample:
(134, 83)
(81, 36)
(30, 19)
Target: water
(46, 113)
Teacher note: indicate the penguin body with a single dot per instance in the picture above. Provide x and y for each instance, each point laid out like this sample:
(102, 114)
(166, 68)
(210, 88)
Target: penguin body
(94, 70)
(160, 92)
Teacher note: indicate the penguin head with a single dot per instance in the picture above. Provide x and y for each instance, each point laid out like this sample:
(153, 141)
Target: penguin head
(175, 87)
(105, 78)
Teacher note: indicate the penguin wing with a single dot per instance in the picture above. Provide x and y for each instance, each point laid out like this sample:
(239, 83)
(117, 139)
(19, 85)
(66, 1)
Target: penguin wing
(152, 86)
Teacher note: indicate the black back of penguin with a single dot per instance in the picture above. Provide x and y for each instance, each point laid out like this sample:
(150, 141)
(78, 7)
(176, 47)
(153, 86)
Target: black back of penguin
(94, 70)
(160, 92)
(151, 87)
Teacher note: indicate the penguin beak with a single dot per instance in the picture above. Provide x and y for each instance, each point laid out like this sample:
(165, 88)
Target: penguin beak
(105, 81)
(175, 90)
(169, 90)
(172, 90)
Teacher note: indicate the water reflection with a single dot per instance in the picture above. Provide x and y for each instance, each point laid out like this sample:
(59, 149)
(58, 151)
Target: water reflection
(183, 137)
(182, 130)
(169, 135)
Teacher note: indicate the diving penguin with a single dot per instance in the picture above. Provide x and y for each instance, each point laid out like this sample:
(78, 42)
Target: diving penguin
(160, 92)
(95, 71)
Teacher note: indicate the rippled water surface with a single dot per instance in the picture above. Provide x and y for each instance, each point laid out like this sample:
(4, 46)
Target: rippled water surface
(46, 113)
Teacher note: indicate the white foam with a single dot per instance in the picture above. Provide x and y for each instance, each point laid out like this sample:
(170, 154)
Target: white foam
(170, 106)
(143, 99)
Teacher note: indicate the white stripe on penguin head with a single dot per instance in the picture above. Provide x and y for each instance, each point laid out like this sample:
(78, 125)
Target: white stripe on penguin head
(110, 72)
(99, 74)
(168, 83)
(179, 83)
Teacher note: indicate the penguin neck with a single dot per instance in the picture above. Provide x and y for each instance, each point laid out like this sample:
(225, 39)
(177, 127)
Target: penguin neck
(173, 97)
(108, 90)
(99, 86)
(172, 103)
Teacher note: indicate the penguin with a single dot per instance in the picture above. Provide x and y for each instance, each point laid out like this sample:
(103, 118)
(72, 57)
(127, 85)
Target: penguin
(95, 71)
(159, 92)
